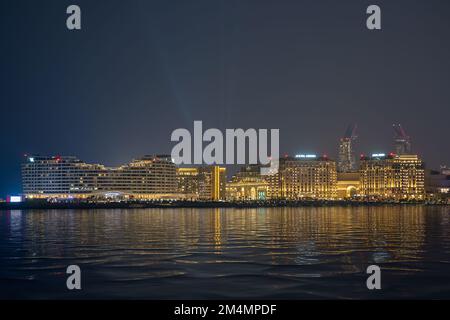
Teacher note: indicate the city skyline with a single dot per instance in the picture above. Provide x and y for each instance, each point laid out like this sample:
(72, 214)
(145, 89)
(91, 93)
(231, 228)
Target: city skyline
(113, 90)
(376, 177)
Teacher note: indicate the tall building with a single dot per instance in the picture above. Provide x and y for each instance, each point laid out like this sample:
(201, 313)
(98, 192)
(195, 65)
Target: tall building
(248, 184)
(396, 177)
(347, 159)
(151, 177)
(402, 142)
(304, 177)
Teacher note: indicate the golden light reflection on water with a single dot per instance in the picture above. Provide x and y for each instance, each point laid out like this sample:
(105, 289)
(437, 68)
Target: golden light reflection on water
(389, 232)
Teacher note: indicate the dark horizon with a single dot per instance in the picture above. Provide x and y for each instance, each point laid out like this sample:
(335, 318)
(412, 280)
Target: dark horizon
(136, 71)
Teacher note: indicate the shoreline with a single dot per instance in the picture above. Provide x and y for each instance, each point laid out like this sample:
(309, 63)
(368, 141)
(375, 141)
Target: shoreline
(32, 205)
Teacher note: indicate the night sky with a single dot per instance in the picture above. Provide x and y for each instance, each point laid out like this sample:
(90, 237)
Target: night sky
(140, 69)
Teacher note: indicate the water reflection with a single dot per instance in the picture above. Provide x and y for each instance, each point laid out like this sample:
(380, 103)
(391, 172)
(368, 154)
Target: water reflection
(216, 253)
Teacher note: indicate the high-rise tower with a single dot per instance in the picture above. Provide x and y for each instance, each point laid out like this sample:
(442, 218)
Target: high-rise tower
(347, 160)
(402, 142)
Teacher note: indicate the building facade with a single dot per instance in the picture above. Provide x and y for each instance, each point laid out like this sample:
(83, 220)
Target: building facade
(437, 184)
(396, 177)
(202, 183)
(150, 177)
(248, 184)
(348, 185)
(304, 177)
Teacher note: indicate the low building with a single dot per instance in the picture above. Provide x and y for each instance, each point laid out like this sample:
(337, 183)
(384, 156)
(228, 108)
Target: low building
(188, 182)
(212, 182)
(248, 184)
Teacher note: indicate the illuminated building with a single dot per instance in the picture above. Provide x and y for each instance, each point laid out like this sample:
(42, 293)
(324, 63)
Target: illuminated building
(347, 160)
(402, 142)
(274, 185)
(202, 183)
(347, 185)
(304, 177)
(188, 182)
(248, 184)
(392, 177)
(212, 183)
(151, 177)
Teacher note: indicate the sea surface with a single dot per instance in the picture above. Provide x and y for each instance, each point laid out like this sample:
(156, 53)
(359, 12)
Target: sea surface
(274, 253)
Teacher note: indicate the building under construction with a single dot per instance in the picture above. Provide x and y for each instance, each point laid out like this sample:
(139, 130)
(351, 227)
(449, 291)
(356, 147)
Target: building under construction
(347, 159)
(402, 142)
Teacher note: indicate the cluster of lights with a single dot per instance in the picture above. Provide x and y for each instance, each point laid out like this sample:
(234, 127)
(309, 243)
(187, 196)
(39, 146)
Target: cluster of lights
(378, 155)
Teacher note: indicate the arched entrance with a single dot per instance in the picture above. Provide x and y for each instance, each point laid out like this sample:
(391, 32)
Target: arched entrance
(351, 191)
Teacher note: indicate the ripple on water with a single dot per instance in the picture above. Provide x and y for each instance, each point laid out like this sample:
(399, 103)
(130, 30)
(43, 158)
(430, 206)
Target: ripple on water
(285, 253)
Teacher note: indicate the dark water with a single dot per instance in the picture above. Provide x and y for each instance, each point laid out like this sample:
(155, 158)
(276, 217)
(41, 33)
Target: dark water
(286, 253)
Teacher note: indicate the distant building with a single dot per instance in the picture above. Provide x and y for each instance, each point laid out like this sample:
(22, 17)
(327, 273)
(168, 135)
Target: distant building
(437, 183)
(304, 177)
(188, 182)
(212, 183)
(348, 185)
(202, 183)
(248, 184)
(445, 170)
(151, 177)
(347, 159)
(402, 142)
(396, 177)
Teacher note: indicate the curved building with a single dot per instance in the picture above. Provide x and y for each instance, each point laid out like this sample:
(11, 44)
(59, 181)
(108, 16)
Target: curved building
(150, 177)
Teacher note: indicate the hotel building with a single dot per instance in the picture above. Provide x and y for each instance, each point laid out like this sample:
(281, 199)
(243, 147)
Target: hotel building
(304, 177)
(151, 177)
(397, 177)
